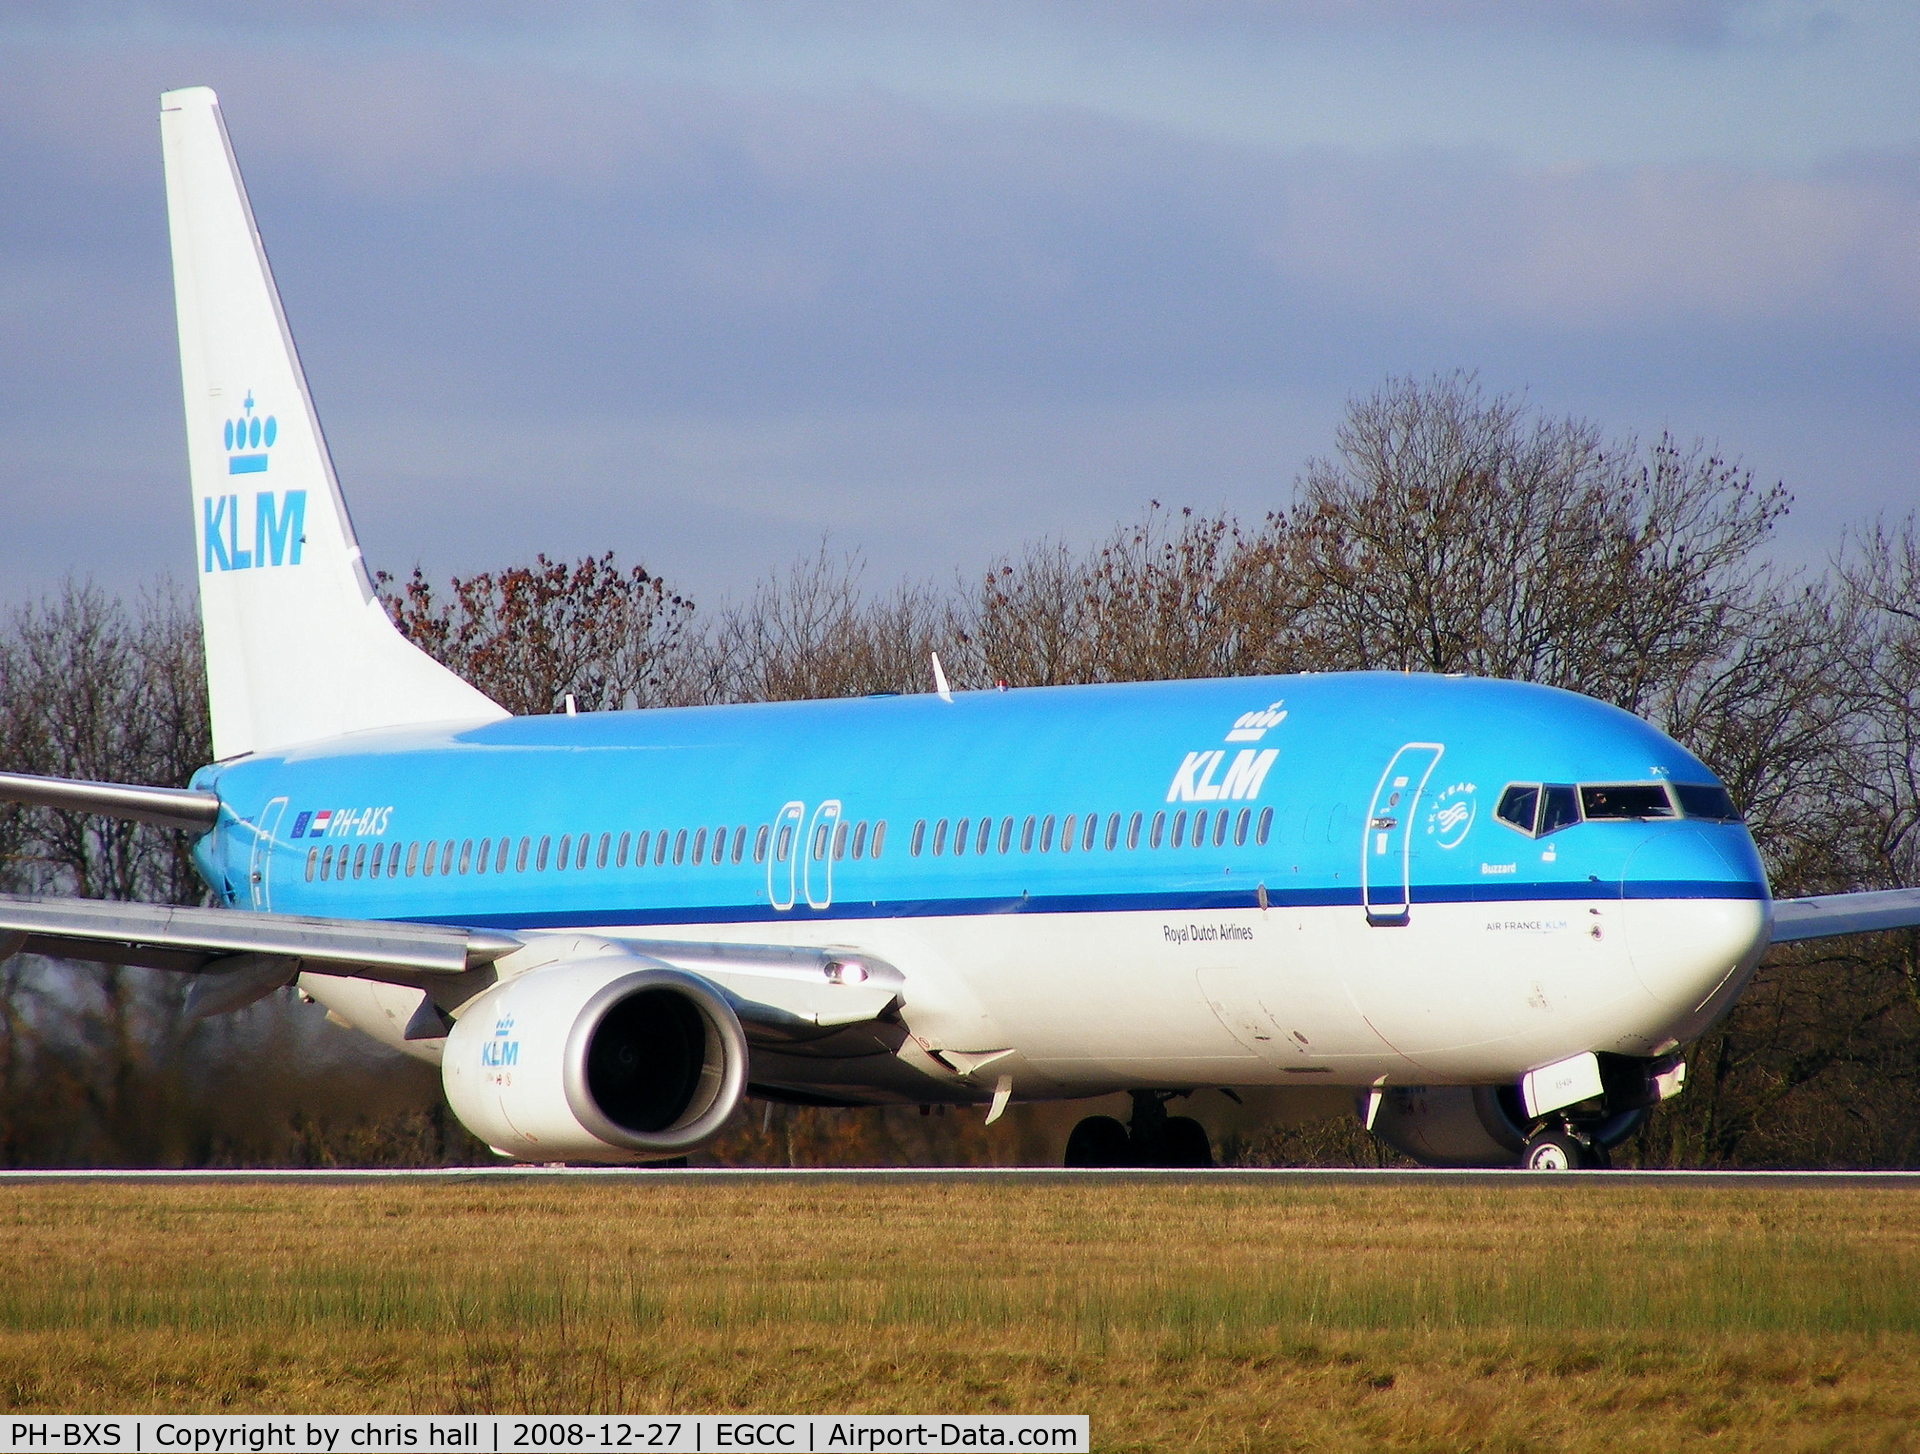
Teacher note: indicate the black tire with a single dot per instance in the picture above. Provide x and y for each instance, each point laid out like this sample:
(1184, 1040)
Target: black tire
(1557, 1151)
(1099, 1141)
(1183, 1142)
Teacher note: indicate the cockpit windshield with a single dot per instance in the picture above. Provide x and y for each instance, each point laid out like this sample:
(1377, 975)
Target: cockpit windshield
(1706, 800)
(1625, 800)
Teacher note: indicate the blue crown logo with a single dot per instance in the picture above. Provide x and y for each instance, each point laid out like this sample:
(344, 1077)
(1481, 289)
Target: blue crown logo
(245, 438)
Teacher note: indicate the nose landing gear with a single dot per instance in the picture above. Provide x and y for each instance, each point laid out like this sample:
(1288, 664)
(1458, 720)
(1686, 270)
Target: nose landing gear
(1559, 1148)
(1151, 1138)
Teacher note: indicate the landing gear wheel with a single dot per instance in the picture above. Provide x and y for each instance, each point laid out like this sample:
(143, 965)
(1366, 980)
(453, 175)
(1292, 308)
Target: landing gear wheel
(1099, 1141)
(1183, 1142)
(1557, 1151)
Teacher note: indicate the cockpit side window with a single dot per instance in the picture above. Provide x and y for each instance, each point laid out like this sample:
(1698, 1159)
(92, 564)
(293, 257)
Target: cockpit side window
(1625, 800)
(1706, 800)
(1559, 808)
(1519, 806)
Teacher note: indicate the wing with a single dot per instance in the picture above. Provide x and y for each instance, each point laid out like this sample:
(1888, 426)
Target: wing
(201, 941)
(1826, 915)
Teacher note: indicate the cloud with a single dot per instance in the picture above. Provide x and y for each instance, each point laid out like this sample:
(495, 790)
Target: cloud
(713, 320)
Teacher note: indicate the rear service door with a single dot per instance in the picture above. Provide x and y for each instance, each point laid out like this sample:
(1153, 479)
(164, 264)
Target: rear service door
(1386, 845)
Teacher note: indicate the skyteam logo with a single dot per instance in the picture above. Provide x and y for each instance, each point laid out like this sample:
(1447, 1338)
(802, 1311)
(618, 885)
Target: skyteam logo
(249, 440)
(1451, 815)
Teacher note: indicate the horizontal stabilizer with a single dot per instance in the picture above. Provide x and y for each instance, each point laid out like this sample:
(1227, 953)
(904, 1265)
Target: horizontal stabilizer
(165, 807)
(1826, 915)
(195, 941)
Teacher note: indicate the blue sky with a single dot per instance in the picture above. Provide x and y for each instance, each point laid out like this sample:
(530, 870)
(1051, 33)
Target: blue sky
(698, 283)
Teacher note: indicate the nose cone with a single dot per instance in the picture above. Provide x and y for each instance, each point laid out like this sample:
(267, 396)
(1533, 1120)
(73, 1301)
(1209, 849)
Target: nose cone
(1695, 908)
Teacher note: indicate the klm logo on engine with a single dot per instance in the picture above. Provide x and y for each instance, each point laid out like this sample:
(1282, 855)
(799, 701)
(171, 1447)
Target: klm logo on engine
(1195, 782)
(500, 1050)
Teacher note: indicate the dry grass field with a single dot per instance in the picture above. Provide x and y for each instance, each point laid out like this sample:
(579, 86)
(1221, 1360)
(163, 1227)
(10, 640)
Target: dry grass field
(1557, 1315)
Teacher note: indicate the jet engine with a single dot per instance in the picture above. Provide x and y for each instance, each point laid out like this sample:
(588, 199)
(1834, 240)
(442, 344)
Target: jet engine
(1452, 1125)
(611, 1059)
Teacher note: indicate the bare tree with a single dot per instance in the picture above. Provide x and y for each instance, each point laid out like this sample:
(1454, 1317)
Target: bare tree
(531, 636)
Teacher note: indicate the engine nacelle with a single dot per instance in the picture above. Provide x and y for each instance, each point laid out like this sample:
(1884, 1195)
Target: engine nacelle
(611, 1059)
(1452, 1125)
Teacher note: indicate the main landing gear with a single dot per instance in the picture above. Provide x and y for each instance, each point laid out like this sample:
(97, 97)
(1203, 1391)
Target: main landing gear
(1151, 1138)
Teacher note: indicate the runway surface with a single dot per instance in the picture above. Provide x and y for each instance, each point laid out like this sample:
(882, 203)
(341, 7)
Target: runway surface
(1008, 1175)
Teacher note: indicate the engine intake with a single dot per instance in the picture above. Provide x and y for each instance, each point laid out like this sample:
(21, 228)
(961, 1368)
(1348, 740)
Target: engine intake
(605, 1060)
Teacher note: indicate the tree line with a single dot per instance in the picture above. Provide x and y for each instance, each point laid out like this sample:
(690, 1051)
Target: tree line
(1449, 530)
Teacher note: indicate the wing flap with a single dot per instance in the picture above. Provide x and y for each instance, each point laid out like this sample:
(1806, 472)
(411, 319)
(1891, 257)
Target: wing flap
(1825, 915)
(190, 940)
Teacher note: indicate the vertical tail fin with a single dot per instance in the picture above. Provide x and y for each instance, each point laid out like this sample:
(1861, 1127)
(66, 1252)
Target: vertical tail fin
(298, 645)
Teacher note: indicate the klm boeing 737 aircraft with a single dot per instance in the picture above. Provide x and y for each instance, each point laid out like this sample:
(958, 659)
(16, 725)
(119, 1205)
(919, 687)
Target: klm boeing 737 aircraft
(1497, 912)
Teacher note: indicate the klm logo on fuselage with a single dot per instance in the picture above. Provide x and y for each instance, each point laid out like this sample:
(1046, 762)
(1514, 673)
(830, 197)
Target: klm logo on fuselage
(1244, 776)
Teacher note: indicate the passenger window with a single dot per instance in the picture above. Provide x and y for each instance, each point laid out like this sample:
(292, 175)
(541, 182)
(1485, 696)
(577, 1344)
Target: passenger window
(840, 840)
(1264, 827)
(373, 863)
(540, 860)
(918, 839)
(1026, 835)
(1706, 800)
(1180, 828)
(982, 834)
(520, 858)
(740, 843)
(940, 838)
(1220, 826)
(1637, 801)
(565, 855)
(1519, 806)
(482, 854)
(680, 847)
(1066, 833)
(1046, 833)
(660, 847)
(1006, 835)
(313, 862)
(858, 847)
(879, 837)
(960, 837)
(1113, 831)
(606, 845)
(620, 853)
(1240, 827)
(1159, 830)
(1559, 808)
(466, 855)
(1088, 833)
(326, 864)
(446, 859)
(413, 856)
(427, 859)
(719, 845)
(1133, 831)
(699, 854)
(785, 849)
(760, 837)
(580, 859)
(822, 835)
(500, 862)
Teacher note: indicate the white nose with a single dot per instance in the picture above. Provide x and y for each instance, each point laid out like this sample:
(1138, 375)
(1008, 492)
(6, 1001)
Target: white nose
(1694, 955)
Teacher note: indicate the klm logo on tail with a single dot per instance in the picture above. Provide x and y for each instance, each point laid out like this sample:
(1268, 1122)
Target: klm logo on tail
(245, 437)
(278, 533)
(279, 519)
